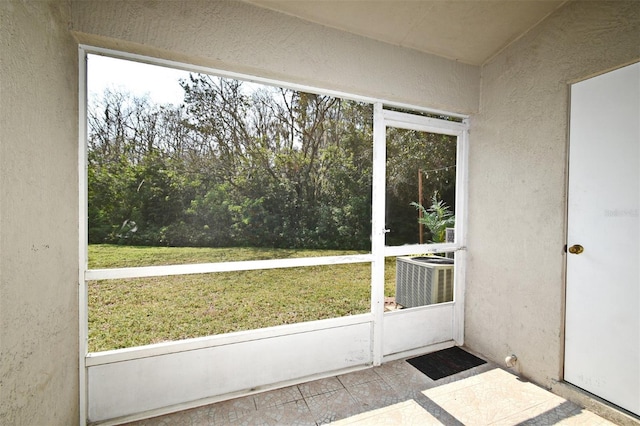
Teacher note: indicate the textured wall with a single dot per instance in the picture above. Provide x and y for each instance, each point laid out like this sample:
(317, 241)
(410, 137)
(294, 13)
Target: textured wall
(240, 37)
(517, 168)
(517, 174)
(38, 215)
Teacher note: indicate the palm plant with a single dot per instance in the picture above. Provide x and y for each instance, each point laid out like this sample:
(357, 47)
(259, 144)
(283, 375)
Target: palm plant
(437, 218)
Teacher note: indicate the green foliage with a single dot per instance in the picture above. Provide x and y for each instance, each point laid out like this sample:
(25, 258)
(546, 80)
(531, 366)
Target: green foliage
(407, 152)
(230, 167)
(437, 218)
(234, 166)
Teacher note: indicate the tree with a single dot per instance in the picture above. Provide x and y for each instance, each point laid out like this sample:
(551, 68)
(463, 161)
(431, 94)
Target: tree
(232, 165)
(407, 152)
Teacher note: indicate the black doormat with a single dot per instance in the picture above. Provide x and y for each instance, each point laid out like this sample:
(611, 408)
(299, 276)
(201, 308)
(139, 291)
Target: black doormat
(446, 362)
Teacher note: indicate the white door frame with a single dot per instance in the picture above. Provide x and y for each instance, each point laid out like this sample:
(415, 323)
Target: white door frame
(398, 333)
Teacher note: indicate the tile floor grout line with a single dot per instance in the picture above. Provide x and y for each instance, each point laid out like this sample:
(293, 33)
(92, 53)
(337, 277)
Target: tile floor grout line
(529, 407)
(306, 403)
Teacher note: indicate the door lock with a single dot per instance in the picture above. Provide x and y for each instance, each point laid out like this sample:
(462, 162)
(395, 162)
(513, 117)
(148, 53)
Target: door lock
(576, 249)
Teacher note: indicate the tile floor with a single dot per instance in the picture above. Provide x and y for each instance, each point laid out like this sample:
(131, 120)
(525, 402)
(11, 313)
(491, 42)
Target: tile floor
(395, 394)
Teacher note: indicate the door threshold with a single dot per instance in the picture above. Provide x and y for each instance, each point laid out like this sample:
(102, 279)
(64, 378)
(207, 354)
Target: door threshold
(595, 404)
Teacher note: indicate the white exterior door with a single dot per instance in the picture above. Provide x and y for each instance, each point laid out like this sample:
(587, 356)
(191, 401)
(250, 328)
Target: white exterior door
(602, 342)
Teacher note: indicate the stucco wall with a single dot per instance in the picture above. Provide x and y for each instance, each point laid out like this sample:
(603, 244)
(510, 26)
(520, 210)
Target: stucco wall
(518, 166)
(240, 37)
(38, 215)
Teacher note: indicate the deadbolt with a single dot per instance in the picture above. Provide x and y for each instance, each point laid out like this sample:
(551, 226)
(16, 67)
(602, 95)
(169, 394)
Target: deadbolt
(576, 249)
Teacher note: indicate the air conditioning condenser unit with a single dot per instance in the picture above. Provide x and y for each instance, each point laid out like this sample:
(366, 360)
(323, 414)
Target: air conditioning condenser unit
(423, 280)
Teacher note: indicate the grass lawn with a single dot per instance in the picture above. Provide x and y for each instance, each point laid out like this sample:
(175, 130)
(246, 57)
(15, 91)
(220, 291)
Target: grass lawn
(133, 312)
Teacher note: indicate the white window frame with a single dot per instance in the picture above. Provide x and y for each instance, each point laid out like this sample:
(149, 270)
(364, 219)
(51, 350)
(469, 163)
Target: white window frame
(382, 119)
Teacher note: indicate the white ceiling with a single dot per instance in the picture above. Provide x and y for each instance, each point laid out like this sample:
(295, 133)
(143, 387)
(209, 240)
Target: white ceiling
(471, 31)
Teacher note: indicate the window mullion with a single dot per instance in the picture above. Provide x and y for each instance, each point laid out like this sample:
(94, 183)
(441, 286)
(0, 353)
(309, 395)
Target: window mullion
(378, 229)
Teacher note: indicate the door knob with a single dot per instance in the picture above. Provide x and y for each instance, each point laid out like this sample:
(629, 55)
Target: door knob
(576, 249)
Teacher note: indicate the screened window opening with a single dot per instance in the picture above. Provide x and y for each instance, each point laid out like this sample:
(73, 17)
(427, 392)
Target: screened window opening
(420, 209)
(228, 164)
(202, 169)
(420, 187)
(217, 205)
(141, 311)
